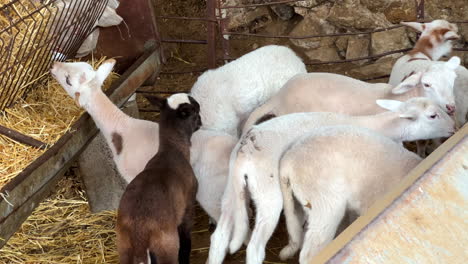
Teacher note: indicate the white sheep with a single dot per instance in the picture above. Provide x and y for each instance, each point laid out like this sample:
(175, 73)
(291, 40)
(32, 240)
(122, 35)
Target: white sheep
(254, 166)
(328, 92)
(133, 141)
(331, 170)
(209, 156)
(228, 94)
(435, 41)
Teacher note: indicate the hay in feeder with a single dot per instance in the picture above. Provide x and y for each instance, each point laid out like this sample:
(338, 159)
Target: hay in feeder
(46, 114)
(25, 55)
(63, 230)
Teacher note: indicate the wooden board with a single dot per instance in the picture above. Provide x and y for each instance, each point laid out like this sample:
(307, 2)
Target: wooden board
(36, 181)
(423, 220)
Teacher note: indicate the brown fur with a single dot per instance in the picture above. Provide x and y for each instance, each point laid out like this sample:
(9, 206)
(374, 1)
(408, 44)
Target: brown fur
(117, 142)
(155, 211)
(423, 45)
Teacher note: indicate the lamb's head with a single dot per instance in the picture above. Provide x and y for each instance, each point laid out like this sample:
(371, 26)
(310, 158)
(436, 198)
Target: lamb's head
(79, 79)
(179, 111)
(436, 35)
(437, 83)
(424, 119)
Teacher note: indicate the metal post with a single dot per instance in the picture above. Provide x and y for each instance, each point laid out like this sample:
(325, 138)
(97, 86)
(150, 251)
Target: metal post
(419, 9)
(211, 34)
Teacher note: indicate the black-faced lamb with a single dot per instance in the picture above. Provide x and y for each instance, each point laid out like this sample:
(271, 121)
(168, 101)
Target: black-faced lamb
(155, 213)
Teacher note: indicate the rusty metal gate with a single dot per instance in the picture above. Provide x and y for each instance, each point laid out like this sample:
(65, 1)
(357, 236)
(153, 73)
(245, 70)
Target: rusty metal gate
(216, 29)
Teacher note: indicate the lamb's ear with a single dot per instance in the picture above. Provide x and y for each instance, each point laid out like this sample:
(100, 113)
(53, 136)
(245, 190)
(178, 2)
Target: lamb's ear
(391, 105)
(104, 70)
(409, 83)
(157, 101)
(450, 35)
(415, 25)
(453, 63)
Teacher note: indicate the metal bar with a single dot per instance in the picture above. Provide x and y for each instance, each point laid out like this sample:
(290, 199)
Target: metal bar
(188, 18)
(21, 138)
(310, 36)
(185, 72)
(185, 41)
(350, 60)
(419, 9)
(263, 4)
(211, 34)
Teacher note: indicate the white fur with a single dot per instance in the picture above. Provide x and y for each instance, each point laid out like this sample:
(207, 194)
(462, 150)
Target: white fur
(177, 99)
(328, 92)
(429, 57)
(326, 184)
(228, 94)
(209, 157)
(254, 167)
(140, 138)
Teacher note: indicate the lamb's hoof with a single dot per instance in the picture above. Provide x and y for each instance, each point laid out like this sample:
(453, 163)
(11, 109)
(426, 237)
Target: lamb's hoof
(288, 251)
(211, 225)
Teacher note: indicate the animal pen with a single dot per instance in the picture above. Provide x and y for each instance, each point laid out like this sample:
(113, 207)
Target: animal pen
(33, 33)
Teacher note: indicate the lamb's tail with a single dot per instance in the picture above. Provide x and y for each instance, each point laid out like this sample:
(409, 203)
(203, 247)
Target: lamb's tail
(232, 200)
(240, 169)
(261, 114)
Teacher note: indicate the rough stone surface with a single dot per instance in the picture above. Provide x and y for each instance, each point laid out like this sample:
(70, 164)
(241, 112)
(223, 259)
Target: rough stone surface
(358, 47)
(311, 25)
(381, 67)
(400, 11)
(323, 53)
(241, 21)
(350, 14)
(284, 12)
(394, 39)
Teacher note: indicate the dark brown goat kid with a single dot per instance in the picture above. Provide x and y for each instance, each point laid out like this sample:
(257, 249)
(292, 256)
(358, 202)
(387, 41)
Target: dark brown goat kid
(154, 220)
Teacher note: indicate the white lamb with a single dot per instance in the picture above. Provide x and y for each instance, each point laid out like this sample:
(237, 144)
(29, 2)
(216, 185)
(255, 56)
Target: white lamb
(254, 166)
(134, 142)
(228, 94)
(435, 41)
(209, 156)
(328, 92)
(331, 170)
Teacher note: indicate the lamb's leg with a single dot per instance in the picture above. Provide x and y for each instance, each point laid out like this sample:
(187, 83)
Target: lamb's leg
(421, 146)
(324, 216)
(184, 230)
(293, 221)
(124, 247)
(219, 241)
(269, 203)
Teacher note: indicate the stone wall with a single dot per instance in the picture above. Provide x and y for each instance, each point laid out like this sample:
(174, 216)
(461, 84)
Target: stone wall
(314, 17)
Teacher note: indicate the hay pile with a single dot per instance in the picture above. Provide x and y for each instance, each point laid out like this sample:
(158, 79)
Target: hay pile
(63, 230)
(46, 114)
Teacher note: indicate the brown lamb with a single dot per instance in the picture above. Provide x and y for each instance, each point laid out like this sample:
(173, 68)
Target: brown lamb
(154, 219)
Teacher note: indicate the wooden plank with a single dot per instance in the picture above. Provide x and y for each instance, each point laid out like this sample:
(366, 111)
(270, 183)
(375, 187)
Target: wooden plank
(422, 220)
(26, 190)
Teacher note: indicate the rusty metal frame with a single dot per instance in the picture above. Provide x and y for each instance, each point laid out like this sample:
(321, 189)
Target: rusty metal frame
(24, 192)
(58, 26)
(332, 253)
(215, 7)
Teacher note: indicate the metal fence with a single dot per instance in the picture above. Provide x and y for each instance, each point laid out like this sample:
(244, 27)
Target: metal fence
(33, 33)
(216, 25)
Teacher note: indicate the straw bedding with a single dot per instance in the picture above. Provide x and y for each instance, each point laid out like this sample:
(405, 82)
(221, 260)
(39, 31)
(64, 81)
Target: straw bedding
(46, 114)
(62, 230)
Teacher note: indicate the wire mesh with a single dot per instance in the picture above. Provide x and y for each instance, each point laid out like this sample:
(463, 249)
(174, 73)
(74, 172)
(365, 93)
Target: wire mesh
(33, 33)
